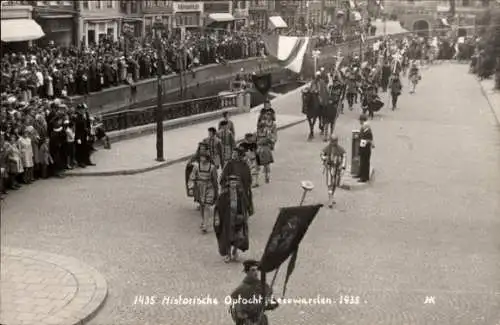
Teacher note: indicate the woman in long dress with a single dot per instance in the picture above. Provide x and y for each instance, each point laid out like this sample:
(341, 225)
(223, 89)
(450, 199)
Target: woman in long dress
(204, 176)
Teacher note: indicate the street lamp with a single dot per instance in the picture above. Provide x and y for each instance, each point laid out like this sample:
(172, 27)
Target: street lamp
(158, 28)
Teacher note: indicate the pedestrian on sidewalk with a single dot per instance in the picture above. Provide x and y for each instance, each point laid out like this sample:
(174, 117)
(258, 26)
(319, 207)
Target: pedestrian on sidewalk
(365, 149)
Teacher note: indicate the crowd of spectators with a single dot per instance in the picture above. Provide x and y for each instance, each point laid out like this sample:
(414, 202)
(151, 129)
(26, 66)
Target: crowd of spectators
(42, 138)
(56, 72)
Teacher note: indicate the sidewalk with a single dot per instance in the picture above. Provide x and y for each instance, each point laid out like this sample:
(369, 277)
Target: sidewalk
(493, 96)
(138, 155)
(39, 288)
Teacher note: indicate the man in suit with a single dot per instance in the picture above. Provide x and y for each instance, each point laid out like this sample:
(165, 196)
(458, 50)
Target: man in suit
(82, 134)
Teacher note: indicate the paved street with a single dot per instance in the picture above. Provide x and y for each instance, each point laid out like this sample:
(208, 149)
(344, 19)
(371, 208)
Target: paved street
(426, 227)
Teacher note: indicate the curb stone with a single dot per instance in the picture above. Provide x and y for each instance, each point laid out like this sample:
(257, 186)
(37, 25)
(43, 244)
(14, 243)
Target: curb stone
(485, 92)
(167, 163)
(74, 313)
(350, 183)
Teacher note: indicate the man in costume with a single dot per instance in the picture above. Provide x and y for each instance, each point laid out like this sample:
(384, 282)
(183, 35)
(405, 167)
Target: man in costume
(214, 147)
(227, 141)
(331, 155)
(251, 299)
(230, 124)
(206, 190)
(414, 77)
(231, 219)
(238, 167)
(396, 88)
(319, 89)
(249, 146)
(365, 149)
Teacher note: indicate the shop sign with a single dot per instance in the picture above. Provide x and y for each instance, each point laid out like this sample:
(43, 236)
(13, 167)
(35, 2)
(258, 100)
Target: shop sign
(187, 6)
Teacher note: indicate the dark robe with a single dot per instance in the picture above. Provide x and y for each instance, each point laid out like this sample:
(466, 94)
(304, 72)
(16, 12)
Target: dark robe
(239, 168)
(231, 226)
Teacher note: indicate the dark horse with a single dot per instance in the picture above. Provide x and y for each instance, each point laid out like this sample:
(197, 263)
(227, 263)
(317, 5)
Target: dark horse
(330, 113)
(311, 107)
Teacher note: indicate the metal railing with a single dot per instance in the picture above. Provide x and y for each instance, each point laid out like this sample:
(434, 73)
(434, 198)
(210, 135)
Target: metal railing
(170, 111)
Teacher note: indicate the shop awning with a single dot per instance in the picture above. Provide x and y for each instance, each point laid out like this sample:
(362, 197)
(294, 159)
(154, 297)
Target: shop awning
(277, 22)
(21, 30)
(220, 17)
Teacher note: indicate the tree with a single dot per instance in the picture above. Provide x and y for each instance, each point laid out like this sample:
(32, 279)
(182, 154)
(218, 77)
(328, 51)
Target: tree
(492, 45)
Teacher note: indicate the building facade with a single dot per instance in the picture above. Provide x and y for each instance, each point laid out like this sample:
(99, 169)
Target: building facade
(259, 12)
(241, 13)
(58, 20)
(153, 10)
(99, 20)
(425, 16)
(188, 14)
(132, 22)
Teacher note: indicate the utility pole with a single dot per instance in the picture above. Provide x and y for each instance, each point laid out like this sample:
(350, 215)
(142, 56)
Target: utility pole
(158, 26)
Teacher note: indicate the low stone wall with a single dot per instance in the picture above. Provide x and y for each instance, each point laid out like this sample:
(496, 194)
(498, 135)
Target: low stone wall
(113, 99)
(124, 96)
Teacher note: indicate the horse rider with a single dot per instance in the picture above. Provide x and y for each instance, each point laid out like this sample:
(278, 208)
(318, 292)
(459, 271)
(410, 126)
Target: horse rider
(333, 154)
(318, 87)
(250, 300)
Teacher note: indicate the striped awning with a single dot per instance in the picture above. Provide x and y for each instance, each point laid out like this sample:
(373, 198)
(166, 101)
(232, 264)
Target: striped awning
(21, 30)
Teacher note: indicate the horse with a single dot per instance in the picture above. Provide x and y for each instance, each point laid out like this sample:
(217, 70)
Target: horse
(311, 107)
(331, 111)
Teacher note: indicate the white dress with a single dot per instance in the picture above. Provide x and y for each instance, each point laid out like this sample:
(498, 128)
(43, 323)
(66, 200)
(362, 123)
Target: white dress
(26, 151)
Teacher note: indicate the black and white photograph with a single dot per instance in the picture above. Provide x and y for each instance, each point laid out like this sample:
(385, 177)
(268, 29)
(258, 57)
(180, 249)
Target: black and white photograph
(250, 162)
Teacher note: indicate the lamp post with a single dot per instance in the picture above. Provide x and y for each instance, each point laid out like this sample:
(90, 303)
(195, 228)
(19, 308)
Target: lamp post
(158, 28)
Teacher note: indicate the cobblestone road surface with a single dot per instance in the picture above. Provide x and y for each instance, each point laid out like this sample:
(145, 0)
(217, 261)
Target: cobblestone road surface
(427, 227)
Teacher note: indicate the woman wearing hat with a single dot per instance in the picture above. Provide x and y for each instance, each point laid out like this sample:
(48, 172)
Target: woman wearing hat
(204, 178)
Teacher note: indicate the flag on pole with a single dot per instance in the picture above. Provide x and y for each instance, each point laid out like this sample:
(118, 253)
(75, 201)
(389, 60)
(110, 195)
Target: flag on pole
(290, 227)
(287, 51)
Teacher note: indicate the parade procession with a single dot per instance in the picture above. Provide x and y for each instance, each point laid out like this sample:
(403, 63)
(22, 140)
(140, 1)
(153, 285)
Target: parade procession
(250, 162)
(223, 173)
